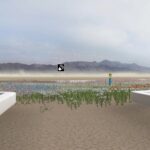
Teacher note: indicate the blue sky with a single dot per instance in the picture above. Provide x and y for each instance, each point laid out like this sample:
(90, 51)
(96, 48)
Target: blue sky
(54, 31)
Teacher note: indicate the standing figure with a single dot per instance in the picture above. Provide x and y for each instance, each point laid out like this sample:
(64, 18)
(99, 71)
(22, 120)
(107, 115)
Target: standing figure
(110, 79)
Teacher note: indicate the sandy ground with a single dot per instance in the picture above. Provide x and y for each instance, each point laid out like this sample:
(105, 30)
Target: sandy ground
(48, 77)
(24, 127)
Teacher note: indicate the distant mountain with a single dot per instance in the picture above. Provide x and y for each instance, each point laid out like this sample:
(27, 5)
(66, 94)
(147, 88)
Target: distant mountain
(105, 66)
(18, 67)
(116, 66)
(77, 66)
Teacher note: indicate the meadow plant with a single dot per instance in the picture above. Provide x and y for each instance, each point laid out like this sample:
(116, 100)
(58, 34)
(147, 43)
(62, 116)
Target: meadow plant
(74, 94)
(74, 99)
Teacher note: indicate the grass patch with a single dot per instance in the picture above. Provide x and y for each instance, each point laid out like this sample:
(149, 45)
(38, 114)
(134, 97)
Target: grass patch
(74, 99)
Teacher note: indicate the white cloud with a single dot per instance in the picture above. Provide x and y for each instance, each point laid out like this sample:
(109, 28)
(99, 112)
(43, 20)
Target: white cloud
(65, 27)
(98, 36)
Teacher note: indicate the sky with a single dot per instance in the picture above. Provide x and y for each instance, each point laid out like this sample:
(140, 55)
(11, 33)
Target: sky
(56, 31)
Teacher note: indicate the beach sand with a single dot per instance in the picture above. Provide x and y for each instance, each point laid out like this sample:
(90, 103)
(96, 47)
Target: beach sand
(25, 127)
(49, 77)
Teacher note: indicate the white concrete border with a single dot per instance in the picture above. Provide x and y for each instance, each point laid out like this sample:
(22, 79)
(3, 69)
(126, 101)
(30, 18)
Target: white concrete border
(7, 100)
(142, 97)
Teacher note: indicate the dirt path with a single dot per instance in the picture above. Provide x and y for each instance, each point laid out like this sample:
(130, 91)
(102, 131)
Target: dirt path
(24, 127)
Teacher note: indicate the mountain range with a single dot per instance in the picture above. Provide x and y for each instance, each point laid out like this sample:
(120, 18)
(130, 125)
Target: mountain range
(76, 66)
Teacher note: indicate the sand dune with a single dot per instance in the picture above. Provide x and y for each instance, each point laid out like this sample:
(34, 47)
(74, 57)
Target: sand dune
(24, 127)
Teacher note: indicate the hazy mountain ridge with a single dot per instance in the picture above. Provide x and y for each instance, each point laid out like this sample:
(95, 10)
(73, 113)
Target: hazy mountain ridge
(76, 66)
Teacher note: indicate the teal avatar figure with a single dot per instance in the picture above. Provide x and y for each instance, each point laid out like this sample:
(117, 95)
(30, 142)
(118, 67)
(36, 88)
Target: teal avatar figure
(110, 79)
